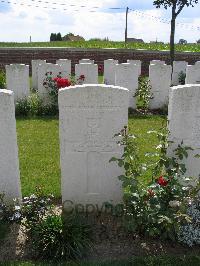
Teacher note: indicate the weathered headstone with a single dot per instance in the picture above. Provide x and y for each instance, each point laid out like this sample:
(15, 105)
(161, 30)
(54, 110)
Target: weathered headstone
(157, 62)
(179, 68)
(89, 117)
(65, 67)
(184, 123)
(193, 74)
(126, 75)
(86, 61)
(136, 62)
(9, 163)
(90, 71)
(35, 64)
(109, 71)
(160, 81)
(55, 69)
(17, 80)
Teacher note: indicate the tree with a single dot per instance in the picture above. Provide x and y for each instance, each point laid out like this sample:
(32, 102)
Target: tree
(198, 41)
(176, 8)
(53, 37)
(58, 37)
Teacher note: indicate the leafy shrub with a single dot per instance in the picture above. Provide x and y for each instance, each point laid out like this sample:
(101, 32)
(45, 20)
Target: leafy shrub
(181, 78)
(143, 93)
(190, 233)
(22, 107)
(34, 106)
(158, 208)
(57, 238)
(52, 236)
(53, 85)
(2, 80)
(8, 215)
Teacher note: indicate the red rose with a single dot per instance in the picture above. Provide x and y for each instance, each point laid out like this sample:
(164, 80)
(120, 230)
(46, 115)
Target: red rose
(162, 182)
(62, 83)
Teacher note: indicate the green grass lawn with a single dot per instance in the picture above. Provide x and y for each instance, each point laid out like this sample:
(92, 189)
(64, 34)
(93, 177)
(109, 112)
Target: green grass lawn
(38, 144)
(104, 44)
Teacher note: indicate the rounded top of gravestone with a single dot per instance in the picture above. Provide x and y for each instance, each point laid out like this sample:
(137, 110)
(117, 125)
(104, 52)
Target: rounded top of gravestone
(93, 86)
(6, 92)
(186, 87)
(93, 96)
(17, 66)
(63, 60)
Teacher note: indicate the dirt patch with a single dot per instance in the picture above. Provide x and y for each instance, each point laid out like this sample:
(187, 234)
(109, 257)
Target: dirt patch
(110, 242)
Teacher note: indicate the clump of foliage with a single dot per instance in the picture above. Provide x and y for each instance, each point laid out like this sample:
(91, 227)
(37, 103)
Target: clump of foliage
(181, 78)
(176, 7)
(54, 84)
(159, 208)
(143, 94)
(53, 236)
(32, 105)
(61, 238)
(54, 37)
(2, 80)
(190, 233)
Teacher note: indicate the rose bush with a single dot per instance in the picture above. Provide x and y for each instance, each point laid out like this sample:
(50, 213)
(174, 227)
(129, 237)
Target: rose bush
(156, 208)
(54, 84)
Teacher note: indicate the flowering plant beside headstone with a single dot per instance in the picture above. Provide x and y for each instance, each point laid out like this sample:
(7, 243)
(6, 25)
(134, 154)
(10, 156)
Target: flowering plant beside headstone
(54, 84)
(157, 207)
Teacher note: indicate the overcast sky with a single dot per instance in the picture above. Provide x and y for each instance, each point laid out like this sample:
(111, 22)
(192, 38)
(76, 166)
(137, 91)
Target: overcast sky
(19, 22)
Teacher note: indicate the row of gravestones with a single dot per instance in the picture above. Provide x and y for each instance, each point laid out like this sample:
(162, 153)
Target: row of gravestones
(89, 117)
(125, 75)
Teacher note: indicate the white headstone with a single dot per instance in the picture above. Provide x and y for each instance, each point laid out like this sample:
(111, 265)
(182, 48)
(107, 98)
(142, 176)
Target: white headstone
(160, 81)
(126, 75)
(17, 80)
(184, 123)
(86, 61)
(138, 63)
(35, 64)
(157, 62)
(109, 71)
(90, 71)
(89, 117)
(178, 68)
(65, 67)
(193, 74)
(42, 70)
(9, 163)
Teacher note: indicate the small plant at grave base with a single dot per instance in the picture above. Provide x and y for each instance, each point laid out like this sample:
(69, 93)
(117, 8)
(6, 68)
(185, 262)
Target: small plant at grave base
(2, 80)
(32, 105)
(181, 78)
(100, 69)
(143, 94)
(157, 209)
(189, 234)
(52, 236)
(60, 238)
(54, 84)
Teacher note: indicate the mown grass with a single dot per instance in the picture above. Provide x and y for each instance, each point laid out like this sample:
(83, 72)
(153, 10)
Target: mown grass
(38, 142)
(137, 261)
(105, 44)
